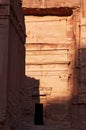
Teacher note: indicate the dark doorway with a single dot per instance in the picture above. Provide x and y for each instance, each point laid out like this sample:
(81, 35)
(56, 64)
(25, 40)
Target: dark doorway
(38, 118)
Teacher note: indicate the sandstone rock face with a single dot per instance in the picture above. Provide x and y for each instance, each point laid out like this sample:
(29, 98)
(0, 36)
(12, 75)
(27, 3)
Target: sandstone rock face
(4, 1)
(50, 3)
(48, 51)
(12, 53)
(55, 55)
(42, 35)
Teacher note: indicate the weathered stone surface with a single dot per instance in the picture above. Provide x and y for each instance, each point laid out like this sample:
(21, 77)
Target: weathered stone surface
(12, 55)
(83, 34)
(54, 24)
(4, 1)
(66, 99)
(4, 30)
(50, 3)
(62, 3)
(47, 60)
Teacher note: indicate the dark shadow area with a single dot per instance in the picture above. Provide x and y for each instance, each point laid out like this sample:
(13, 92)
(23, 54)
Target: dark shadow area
(31, 97)
(62, 11)
(72, 112)
(32, 106)
(58, 113)
(78, 108)
(38, 118)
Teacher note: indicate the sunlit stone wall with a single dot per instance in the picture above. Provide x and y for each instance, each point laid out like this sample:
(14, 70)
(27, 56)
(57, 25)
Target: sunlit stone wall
(67, 35)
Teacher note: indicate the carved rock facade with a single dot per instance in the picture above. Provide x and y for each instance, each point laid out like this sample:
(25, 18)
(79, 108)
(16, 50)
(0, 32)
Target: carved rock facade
(55, 55)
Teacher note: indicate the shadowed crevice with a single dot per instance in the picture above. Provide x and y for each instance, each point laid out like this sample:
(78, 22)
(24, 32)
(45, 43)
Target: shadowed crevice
(62, 11)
